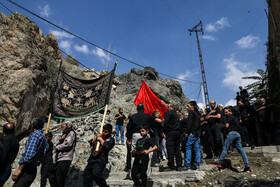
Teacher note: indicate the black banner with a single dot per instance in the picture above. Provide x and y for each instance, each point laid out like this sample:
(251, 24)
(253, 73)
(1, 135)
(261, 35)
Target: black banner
(75, 97)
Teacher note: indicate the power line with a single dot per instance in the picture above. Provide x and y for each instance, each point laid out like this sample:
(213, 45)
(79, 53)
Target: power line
(255, 23)
(179, 19)
(189, 10)
(125, 59)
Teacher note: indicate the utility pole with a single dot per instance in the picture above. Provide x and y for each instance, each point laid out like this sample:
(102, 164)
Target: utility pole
(204, 84)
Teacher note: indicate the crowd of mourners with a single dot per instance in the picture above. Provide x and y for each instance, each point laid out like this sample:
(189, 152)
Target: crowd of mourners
(182, 140)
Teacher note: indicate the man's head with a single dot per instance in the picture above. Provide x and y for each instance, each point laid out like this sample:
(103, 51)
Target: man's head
(156, 114)
(144, 131)
(220, 106)
(185, 115)
(37, 123)
(262, 100)
(170, 107)
(8, 128)
(240, 103)
(140, 107)
(212, 104)
(120, 110)
(107, 130)
(228, 111)
(240, 87)
(191, 105)
(49, 136)
(66, 124)
(237, 93)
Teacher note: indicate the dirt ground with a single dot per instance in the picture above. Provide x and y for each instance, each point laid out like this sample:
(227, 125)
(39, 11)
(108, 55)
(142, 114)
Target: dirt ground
(265, 173)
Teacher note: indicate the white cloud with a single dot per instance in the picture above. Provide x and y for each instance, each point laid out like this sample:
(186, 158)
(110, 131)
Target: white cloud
(208, 37)
(45, 11)
(218, 25)
(61, 34)
(248, 42)
(66, 45)
(184, 76)
(230, 102)
(201, 105)
(235, 71)
(84, 49)
(222, 23)
(101, 54)
(211, 28)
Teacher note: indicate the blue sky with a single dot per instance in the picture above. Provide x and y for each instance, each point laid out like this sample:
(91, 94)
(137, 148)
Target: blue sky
(155, 33)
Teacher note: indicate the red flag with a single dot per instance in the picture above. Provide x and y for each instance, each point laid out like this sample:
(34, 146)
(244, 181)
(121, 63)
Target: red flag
(150, 100)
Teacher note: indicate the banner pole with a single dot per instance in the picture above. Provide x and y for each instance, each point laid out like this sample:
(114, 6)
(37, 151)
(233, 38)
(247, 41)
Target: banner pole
(101, 127)
(48, 125)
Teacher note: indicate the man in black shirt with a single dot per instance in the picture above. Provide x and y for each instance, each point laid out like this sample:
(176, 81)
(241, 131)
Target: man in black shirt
(141, 152)
(98, 160)
(10, 151)
(120, 117)
(214, 119)
(172, 131)
(243, 95)
(233, 137)
(135, 122)
(263, 129)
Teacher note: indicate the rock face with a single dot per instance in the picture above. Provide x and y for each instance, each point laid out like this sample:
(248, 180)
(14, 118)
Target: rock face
(25, 54)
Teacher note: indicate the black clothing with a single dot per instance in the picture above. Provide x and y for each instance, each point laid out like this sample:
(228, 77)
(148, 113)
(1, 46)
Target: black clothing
(47, 168)
(10, 150)
(140, 164)
(173, 149)
(61, 169)
(141, 160)
(104, 149)
(233, 123)
(156, 127)
(244, 95)
(183, 125)
(213, 121)
(93, 171)
(172, 130)
(120, 120)
(137, 120)
(144, 144)
(171, 121)
(96, 164)
(27, 176)
(193, 124)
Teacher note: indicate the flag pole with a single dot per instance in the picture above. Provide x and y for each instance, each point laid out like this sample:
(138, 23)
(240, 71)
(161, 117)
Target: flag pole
(107, 103)
(101, 128)
(56, 82)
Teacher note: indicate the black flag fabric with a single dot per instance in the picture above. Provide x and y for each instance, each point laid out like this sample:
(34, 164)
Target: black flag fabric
(76, 98)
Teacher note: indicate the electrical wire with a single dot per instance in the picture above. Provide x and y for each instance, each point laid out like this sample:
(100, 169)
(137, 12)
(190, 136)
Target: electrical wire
(174, 13)
(125, 59)
(188, 10)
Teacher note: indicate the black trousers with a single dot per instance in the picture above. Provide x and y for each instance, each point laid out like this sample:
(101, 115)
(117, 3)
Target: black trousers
(47, 171)
(140, 164)
(128, 157)
(93, 171)
(62, 168)
(27, 176)
(157, 152)
(173, 148)
(208, 143)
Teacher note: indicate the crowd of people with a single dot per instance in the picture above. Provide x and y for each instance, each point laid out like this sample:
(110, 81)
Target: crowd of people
(181, 140)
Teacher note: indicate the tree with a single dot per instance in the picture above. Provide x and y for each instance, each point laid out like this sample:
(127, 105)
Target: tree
(259, 88)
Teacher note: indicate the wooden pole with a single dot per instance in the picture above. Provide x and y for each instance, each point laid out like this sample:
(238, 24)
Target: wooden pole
(101, 128)
(48, 125)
